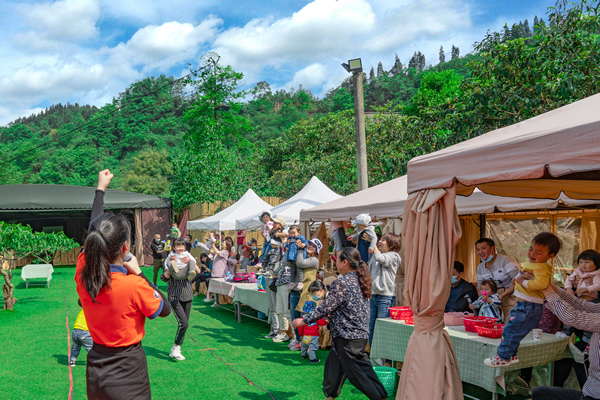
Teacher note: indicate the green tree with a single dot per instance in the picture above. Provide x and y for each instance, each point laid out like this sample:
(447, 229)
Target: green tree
(149, 173)
(209, 168)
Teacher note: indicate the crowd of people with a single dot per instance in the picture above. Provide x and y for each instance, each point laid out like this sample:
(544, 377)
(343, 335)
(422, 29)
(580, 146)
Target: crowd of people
(117, 298)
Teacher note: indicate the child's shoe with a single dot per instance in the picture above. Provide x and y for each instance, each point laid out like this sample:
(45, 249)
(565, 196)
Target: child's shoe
(514, 360)
(282, 337)
(292, 342)
(72, 363)
(305, 356)
(176, 353)
(496, 362)
(297, 347)
(192, 275)
(315, 361)
(174, 266)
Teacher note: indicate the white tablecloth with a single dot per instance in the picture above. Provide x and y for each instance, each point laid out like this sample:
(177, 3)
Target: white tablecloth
(32, 271)
(218, 285)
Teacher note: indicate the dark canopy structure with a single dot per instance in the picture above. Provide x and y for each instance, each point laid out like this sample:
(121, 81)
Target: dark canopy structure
(67, 208)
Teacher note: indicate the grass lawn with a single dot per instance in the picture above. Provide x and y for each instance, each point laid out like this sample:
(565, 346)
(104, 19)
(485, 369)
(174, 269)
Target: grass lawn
(33, 355)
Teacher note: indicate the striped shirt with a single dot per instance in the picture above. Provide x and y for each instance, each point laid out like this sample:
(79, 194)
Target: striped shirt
(178, 289)
(582, 315)
(493, 309)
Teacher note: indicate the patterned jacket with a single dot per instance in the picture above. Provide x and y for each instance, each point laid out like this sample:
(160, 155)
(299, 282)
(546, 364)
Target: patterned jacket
(346, 307)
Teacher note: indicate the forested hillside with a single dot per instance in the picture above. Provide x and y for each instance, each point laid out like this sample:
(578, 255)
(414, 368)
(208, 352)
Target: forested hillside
(196, 140)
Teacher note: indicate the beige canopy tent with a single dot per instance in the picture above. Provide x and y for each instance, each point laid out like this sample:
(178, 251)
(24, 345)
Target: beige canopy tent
(388, 199)
(538, 158)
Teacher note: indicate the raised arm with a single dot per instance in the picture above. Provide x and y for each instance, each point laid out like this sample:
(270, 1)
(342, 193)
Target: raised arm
(585, 318)
(310, 262)
(104, 178)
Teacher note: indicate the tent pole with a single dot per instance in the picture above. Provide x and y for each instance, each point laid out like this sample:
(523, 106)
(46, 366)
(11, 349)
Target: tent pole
(482, 226)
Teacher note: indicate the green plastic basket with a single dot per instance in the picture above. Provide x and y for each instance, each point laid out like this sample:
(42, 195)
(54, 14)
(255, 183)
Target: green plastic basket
(387, 377)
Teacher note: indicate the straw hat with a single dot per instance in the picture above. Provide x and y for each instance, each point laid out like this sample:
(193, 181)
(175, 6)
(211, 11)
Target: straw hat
(280, 220)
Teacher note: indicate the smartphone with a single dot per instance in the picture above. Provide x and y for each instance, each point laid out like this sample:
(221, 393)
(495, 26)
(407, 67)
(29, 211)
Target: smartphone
(128, 257)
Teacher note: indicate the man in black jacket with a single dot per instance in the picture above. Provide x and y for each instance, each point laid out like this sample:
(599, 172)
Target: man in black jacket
(158, 252)
(461, 291)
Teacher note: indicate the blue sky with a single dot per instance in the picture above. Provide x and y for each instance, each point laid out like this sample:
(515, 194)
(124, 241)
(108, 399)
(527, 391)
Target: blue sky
(87, 51)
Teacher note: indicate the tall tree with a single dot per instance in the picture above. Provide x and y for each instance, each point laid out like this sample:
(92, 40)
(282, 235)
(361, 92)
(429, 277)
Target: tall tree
(211, 167)
(526, 29)
(442, 55)
(380, 70)
(455, 52)
(371, 74)
(397, 68)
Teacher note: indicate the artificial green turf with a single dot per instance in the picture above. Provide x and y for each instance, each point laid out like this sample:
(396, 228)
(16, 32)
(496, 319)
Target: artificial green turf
(33, 353)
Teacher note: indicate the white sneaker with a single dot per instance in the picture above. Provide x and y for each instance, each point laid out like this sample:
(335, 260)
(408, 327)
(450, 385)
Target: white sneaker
(282, 337)
(176, 353)
(208, 300)
(270, 335)
(214, 305)
(292, 343)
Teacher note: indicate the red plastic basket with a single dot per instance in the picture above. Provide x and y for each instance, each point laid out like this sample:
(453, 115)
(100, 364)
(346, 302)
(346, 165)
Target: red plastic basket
(471, 323)
(410, 320)
(400, 313)
(493, 331)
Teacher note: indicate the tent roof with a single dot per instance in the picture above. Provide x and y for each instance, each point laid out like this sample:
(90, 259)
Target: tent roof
(387, 200)
(312, 194)
(559, 143)
(249, 204)
(65, 197)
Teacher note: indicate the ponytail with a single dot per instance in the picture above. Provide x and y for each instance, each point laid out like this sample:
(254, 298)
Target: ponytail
(352, 255)
(108, 233)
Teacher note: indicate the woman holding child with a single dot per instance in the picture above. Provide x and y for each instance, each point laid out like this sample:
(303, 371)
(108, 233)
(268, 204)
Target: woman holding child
(347, 306)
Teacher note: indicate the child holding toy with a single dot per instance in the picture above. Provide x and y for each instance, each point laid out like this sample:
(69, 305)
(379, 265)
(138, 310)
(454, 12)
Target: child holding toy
(489, 303)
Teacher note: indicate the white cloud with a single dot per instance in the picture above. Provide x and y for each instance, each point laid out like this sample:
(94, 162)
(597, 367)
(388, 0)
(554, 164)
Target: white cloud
(322, 29)
(67, 20)
(155, 11)
(162, 47)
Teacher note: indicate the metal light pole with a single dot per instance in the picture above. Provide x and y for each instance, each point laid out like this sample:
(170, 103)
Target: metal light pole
(355, 66)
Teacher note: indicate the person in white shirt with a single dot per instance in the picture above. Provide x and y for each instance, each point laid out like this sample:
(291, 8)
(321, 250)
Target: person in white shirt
(498, 268)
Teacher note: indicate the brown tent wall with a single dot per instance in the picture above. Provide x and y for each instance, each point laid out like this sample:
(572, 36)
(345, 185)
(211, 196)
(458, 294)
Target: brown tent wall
(154, 220)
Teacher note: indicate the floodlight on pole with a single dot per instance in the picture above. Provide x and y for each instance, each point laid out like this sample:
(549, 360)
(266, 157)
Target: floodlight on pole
(355, 67)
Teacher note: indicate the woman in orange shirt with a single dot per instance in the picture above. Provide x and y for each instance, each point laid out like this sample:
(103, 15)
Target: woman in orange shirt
(116, 298)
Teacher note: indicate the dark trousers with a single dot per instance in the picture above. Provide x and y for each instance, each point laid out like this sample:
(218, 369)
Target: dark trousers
(181, 309)
(294, 300)
(556, 393)
(157, 267)
(348, 359)
(117, 373)
(200, 278)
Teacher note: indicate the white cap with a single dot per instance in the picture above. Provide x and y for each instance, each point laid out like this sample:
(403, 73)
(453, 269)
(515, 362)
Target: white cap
(362, 219)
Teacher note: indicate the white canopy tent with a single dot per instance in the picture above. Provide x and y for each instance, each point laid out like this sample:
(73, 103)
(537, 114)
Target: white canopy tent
(387, 200)
(249, 204)
(313, 194)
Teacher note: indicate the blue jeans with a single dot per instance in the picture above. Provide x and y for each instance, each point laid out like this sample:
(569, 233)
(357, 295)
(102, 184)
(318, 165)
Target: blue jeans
(80, 339)
(265, 250)
(380, 308)
(294, 300)
(523, 318)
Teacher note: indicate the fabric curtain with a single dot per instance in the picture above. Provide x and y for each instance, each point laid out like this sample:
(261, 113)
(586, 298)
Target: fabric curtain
(431, 231)
(154, 220)
(322, 236)
(590, 238)
(465, 250)
(183, 223)
(392, 225)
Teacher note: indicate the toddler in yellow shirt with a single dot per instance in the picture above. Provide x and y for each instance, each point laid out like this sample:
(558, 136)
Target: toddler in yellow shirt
(80, 336)
(530, 305)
